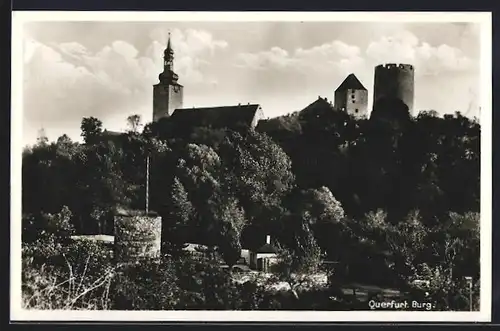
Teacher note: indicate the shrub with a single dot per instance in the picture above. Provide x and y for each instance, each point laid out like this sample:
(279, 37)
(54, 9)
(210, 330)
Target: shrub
(72, 276)
(148, 286)
(171, 283)
(59, 225)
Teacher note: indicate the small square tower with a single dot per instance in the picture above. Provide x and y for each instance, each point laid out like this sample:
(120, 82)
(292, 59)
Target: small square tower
(351, 96)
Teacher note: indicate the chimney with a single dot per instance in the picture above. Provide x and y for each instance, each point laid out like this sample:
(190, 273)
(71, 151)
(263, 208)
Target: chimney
(268, 239)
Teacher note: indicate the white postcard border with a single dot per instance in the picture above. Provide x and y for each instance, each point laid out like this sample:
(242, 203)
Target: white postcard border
(484, 315)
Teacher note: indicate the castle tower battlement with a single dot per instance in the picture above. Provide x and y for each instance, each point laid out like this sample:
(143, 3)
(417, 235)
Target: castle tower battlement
(398, 66)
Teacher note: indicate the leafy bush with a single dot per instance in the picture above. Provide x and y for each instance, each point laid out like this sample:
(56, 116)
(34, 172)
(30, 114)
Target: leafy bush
(186, 283)
(216, 185)
(66, 276)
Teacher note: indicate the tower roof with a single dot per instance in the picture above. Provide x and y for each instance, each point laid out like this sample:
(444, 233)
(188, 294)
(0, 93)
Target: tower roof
(351, 83)
(169, 50)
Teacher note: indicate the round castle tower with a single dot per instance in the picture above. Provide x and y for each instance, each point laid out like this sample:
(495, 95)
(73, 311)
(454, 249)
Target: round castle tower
(394, 81)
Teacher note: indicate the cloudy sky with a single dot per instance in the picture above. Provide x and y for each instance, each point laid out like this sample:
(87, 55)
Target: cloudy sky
(107, 69)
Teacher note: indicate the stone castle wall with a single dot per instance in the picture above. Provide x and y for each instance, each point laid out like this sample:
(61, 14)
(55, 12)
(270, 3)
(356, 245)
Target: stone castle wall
(137, 236)
(354, 102)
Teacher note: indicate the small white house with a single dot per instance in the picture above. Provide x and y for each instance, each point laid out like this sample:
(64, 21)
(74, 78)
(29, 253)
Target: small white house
(264, 257)
(260, 259)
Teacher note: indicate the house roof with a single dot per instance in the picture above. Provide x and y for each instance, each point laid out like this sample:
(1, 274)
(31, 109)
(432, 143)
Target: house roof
(267, 248)
(111, 133)
(220, 117)
(350, 83)
(320, 103)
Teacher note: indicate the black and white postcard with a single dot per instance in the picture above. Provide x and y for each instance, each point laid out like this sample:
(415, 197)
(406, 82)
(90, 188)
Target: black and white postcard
(230, 166)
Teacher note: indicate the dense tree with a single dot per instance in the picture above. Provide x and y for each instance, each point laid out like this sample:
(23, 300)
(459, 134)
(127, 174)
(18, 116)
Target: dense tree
(300, 261)
(91, 129)
(388, 162)
(134, 122)
(230, 220)
(42, 139)
(47, 169)
(260, 176)
(180, 216)
(99, 187)
(393, 194)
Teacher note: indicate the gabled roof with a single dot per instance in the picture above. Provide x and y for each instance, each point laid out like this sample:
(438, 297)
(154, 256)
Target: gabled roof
(267, 248)
(220, 117)
(351, 83)
(320, 103)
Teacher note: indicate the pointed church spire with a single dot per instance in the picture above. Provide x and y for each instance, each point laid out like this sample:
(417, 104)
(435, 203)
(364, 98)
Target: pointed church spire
(168, 55)
(168, 75)
(169, 46)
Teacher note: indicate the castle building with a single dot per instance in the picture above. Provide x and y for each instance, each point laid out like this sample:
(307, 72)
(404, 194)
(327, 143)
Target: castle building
(394, 81)
(351, 96)
(168, 102)
(168, 93)
(220, 117)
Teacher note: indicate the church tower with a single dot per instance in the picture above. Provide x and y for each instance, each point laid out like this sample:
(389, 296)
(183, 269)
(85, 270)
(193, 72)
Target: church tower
(168, 93)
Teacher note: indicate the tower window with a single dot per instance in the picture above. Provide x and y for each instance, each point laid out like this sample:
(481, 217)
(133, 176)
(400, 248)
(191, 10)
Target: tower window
(353, 101)
(356, 110)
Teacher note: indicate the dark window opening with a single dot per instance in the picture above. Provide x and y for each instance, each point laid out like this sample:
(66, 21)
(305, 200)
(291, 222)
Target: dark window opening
(353, 101)
(356, 110)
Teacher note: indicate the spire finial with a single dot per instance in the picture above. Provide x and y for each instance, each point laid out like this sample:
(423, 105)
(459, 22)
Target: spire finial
(169, 52)
(169, 46)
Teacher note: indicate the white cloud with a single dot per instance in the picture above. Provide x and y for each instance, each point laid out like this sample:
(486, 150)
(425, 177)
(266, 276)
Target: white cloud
(338, 56)
(440, 69)
(66, 81)
(336, 49)
(196, 41)
(193, 49)
(73, 49)
(405, 47)
(319, 59)
(274, 58)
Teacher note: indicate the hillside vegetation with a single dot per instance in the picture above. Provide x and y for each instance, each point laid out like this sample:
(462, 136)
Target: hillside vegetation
(389, 200)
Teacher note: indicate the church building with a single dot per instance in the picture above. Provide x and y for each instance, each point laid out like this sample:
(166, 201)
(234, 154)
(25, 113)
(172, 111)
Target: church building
(168, 97)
